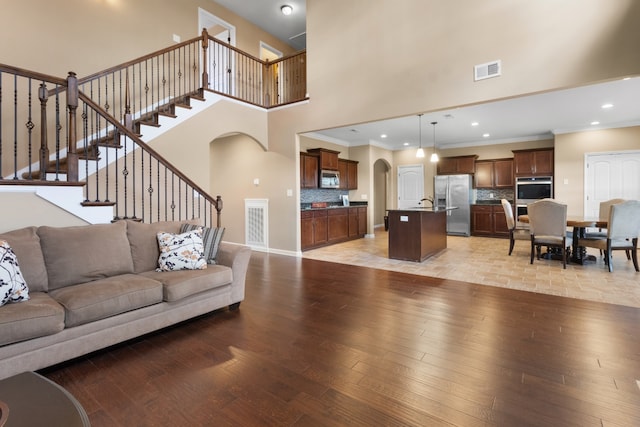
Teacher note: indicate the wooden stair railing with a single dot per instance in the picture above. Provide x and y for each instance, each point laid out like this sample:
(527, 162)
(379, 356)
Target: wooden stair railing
(129, 170)
(111, 107)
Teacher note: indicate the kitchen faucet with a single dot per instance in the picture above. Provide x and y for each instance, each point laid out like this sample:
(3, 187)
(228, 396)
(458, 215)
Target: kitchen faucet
(428, 199)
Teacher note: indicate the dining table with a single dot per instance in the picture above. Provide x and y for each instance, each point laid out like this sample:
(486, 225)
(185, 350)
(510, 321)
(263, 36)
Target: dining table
(579, 224)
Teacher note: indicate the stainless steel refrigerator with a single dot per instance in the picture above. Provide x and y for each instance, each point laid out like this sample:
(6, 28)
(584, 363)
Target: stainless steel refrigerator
(455, 191)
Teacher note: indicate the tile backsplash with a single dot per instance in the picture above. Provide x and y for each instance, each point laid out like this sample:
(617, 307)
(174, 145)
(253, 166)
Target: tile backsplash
(321, 195)
(498, 193)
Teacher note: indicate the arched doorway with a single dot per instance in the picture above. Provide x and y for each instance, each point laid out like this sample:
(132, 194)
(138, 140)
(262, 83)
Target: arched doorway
(382, 199)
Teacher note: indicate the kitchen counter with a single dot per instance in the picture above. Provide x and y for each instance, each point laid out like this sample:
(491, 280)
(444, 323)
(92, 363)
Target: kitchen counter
(490, 202)
(332, 205)
(417, 233)
(424, 209)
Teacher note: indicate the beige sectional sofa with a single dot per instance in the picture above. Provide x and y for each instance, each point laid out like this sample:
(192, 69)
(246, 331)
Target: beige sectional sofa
(96, 285)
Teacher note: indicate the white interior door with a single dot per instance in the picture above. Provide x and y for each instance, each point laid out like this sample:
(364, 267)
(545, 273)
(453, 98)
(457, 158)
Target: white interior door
(410, 185)
(609, 176)
(220, 58)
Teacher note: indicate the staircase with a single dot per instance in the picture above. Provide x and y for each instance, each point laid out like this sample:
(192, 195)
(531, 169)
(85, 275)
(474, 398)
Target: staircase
(95, 133)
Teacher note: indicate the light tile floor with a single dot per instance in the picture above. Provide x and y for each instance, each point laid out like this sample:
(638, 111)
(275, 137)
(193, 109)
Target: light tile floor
(486, 261)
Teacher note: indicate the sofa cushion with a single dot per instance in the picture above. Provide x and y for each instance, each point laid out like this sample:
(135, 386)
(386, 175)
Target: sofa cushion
(211, 238)
(26, 245)
(180, 284)
(106, 297)
(143, 240)
(13, 288)
(84, 253)
(37, 317)
(182, 251)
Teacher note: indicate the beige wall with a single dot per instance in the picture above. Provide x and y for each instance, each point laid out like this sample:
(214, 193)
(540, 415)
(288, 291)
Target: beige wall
(570, 151)
(382, 59)
(87, 36)
(28, 209)
(496, 151)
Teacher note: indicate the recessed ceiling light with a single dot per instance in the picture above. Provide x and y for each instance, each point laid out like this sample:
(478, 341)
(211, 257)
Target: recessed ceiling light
(605, 106)
(474, 123)
(286, 9)
(405, 144)
(384, 135)
(485, 135)
(595, 123)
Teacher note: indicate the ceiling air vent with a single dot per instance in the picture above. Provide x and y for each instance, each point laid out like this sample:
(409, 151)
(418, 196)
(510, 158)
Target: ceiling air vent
(487, 70)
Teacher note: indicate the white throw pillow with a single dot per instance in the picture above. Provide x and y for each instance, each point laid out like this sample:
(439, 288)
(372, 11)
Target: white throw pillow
(13, 287)
(181, 251)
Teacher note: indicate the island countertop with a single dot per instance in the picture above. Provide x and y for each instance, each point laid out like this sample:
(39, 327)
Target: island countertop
(423, 209)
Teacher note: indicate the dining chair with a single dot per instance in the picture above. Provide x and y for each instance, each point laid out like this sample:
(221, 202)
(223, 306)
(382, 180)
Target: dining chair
(623, 229)
(515, 232)
(548, 227)
(603, 216)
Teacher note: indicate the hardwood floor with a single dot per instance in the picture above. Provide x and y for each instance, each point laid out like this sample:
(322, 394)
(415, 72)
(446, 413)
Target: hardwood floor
(324, 344)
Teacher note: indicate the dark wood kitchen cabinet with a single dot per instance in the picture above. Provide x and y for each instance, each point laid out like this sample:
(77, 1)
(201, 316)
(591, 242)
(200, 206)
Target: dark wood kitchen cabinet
(534, 162)
(328, 158)
(308, 171)
(348, 174)
(357, 221)
(457, 165)
(337, 224)
(503, 176)
(488, 221)
(321, 227)
(313, 228)
(494, 174)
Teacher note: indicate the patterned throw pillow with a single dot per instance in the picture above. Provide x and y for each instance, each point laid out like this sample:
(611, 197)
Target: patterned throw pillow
(211, 238)
(181, 251)
(13, 287)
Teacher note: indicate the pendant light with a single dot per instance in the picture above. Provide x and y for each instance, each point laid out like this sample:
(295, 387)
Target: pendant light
(420, 152)
(434, 155)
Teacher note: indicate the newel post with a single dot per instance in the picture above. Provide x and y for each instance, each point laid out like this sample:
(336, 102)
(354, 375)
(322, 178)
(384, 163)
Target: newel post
(218, 210)
(43, 94)
(72, 105)
(205, 65)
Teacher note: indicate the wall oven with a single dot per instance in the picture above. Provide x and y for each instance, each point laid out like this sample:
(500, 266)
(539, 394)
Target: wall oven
(534, 188)
(530, 189)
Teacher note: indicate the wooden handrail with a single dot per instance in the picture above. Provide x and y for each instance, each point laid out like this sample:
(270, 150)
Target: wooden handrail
(33, 74)
(135, 61)
(123, 130)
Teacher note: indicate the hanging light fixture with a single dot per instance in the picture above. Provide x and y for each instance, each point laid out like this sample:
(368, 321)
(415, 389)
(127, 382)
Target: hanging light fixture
(420, 152)
(434, 155)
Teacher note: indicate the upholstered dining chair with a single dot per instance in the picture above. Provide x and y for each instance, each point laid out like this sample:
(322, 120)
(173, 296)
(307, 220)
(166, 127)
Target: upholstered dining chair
(515, 232)
(548, 227)
(603, 215)
(623, 229)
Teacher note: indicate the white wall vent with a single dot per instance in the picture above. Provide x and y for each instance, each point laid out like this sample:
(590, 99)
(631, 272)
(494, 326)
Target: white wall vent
(487, 70)
(256, 213)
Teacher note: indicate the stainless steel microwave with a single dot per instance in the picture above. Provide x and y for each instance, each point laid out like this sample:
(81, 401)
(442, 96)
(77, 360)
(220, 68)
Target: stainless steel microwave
(329, 179)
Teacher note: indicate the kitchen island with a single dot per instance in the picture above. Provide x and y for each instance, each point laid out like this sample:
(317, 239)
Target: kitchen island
(415, 234)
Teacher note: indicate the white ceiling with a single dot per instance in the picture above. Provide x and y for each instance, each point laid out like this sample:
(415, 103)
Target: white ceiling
(266, 14)
(519, 119)
(528, 118)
